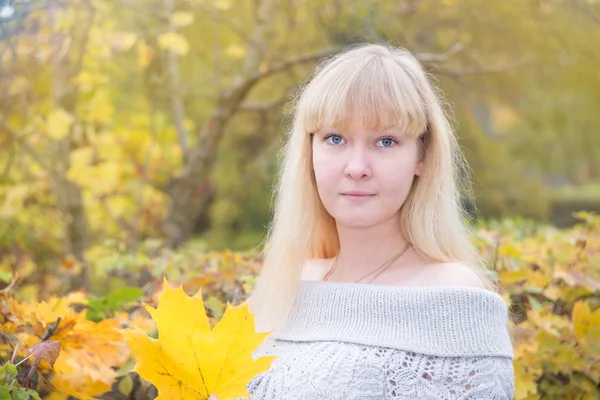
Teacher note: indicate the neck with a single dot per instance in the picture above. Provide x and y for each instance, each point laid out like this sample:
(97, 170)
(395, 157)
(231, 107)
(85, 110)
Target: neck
(362, 250)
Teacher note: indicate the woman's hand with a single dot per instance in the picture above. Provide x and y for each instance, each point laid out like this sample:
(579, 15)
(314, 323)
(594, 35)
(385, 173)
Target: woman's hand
(213, 397)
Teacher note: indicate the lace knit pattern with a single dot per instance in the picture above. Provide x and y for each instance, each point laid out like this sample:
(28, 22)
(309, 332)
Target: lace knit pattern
(357, 341)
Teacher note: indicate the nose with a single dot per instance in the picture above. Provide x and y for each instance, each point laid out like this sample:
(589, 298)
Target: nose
(358, 166)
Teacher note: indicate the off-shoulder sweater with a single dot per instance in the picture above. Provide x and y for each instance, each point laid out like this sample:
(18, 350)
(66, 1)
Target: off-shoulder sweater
(364, 341)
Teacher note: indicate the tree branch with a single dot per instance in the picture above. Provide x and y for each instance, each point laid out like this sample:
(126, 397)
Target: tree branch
(85, 37)
(156, 12)
(243, 35)
(482, 69)
(10, 285)
(262, 107)
(301, 59)
(440, 57)
(175, 83)
(190, 191)
(242, 85)
(27, 148)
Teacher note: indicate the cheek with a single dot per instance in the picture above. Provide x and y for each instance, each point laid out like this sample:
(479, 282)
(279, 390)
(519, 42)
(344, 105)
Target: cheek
(395, 178)
(323, 167)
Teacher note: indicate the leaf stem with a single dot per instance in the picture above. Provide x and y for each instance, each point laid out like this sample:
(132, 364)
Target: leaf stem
(23, 360)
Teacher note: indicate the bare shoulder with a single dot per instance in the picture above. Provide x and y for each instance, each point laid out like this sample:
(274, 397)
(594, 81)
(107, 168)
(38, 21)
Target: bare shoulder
(456, 274)
(315, 268)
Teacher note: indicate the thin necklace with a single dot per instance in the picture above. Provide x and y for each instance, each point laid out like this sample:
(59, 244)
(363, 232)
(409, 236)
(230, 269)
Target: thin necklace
(378, 270)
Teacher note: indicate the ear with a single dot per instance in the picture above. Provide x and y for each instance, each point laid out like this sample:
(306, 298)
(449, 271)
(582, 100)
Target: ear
(420, 167)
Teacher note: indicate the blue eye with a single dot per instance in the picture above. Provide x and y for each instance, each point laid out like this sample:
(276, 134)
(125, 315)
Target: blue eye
(335, 139)
(387, 142)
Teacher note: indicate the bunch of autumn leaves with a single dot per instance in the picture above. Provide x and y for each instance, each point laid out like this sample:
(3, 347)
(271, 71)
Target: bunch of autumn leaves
(56, 337)
(189, 360)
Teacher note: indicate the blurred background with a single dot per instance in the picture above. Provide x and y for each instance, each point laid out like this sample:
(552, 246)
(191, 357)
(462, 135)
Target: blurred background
(130, 129)
(139, 139)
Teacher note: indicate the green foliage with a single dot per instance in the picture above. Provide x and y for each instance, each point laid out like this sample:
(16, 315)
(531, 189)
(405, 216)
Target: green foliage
(8, 371)
(18, 393)
(590, 192)
(5, 276)
(9, 388)
(100, 308)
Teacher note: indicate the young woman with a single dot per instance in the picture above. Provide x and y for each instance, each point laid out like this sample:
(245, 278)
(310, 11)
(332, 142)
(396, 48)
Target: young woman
(370, 285)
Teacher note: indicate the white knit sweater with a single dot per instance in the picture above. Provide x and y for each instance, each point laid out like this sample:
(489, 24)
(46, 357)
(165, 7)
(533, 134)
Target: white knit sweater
(360, 341)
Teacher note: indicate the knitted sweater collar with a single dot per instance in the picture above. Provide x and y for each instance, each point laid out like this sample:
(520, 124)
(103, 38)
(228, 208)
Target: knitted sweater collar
(435, 320)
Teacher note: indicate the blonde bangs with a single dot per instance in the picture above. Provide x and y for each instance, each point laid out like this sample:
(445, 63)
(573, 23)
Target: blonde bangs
(374, 91)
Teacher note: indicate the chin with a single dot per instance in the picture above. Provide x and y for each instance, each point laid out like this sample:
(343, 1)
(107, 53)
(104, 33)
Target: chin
(357, 221)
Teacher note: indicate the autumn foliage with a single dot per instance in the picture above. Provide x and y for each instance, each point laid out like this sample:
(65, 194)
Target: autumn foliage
(550, 277)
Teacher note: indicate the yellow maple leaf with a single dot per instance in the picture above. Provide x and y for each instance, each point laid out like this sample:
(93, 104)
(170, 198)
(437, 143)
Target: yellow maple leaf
(75, 380)
(192, 361)
(587, 326)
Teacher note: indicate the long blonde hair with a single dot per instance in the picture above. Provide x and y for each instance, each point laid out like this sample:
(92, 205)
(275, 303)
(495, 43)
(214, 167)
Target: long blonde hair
(387, 88)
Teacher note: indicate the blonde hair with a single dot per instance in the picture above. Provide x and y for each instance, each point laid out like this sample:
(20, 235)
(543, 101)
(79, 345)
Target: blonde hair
(387, 88)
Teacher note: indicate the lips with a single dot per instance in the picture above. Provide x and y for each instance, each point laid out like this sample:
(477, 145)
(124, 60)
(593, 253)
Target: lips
(357, 196)
(357, 193)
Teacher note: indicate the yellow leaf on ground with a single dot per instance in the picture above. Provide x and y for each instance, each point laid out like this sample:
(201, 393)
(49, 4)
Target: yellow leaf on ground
(580, 315)
(77, 371)
(587, 326)
(192, 361)
(524, 382)
(48, 350)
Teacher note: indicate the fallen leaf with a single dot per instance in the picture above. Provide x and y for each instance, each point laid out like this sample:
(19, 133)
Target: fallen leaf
(48, 350)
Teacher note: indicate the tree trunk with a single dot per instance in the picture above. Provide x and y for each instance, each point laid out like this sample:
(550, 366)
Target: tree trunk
(68, 195)
(189, 193)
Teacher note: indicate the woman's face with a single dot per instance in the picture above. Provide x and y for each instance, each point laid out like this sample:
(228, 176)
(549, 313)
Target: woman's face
(363, 177)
